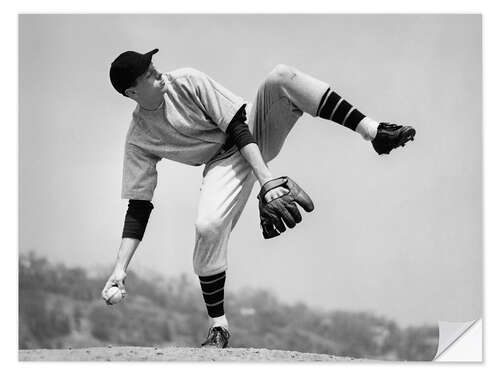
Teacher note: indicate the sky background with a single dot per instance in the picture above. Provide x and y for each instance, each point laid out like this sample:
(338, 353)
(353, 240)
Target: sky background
(397, 235)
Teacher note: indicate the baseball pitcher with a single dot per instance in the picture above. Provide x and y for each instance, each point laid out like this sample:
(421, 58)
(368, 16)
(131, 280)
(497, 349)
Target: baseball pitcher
(186, 116)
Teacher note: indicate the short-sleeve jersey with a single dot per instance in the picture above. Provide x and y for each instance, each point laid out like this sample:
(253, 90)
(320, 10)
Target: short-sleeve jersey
(189, 127)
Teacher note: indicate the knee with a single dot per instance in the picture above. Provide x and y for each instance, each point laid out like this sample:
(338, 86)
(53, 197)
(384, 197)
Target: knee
(209, 227)
(281, 74)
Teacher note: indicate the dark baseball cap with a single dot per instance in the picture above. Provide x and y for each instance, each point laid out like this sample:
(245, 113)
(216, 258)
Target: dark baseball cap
(127, 67)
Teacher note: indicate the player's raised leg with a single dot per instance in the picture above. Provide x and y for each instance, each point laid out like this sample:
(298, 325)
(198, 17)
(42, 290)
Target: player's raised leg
(319, 99)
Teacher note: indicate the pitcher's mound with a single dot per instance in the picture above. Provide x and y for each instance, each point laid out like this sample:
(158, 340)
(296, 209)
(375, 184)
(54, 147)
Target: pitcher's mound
(172, 354)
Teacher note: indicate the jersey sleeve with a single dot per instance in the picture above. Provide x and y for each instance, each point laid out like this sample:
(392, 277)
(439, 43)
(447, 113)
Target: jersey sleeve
(139, 174)
(220, 104)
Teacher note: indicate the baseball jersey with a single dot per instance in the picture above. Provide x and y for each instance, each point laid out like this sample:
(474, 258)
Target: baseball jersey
(189, 127)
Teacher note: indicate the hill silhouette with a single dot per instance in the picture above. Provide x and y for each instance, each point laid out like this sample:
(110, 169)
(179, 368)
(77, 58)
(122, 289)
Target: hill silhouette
(60, 307)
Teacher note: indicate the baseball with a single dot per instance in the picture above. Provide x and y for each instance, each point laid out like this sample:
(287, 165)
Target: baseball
(114, 295)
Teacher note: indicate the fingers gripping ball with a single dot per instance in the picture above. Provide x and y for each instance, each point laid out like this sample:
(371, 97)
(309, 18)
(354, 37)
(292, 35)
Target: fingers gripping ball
(114, 295)
(281, 211)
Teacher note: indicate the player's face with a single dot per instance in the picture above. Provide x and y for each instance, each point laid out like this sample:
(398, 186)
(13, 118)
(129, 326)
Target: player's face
(150, 84)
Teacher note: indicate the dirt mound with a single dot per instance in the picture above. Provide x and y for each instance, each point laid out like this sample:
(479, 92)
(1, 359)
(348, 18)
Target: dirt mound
(173, 354)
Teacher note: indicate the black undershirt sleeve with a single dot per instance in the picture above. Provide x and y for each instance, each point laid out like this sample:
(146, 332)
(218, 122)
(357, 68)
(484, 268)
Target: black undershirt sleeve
(136, 218)
(238, 132)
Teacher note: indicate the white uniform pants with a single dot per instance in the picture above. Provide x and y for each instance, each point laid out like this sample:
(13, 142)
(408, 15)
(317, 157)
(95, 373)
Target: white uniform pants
(227, 183)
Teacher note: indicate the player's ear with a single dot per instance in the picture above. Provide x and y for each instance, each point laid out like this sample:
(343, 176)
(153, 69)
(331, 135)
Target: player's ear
(131, 93)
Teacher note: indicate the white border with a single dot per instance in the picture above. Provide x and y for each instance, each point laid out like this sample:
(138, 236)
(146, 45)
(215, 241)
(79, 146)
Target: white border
(9, 149)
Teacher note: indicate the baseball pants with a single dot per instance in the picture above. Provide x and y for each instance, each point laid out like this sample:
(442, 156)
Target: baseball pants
(227, 182)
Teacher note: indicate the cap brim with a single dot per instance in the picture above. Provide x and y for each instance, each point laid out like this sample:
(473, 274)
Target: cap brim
(146, 61)
(150, 54)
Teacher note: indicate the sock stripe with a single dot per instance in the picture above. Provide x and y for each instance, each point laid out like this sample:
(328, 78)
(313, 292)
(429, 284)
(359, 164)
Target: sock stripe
(212, 293)
(330, 103)
(341, 111)
(354, 119)
(214, 304)
(210, 300)
(213, 297)
(212, 288)
(212, 281)
(212, 277)
(346, 116)
(335, 109)
(321, 102)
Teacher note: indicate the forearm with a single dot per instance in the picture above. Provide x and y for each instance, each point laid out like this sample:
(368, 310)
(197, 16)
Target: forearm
(127, 249)
(134, 227)
(253, 156)
(239, 134)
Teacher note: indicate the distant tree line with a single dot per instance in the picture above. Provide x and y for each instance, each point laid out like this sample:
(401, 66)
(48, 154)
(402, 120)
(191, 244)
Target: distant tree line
(60, 307)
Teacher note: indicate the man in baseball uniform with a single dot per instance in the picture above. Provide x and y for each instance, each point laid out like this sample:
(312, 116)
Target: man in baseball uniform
(186, 116)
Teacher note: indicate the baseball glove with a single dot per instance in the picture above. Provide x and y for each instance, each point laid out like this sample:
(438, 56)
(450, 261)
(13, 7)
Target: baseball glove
(283, 210)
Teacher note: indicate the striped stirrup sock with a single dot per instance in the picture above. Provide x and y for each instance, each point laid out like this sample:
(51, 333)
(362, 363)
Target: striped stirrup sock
(335, 108)
(212, 288)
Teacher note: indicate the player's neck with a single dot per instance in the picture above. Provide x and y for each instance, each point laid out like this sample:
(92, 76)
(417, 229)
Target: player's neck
(151, 104)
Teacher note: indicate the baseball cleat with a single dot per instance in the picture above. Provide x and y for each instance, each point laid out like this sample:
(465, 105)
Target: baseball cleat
(218, 337)
(391, 136)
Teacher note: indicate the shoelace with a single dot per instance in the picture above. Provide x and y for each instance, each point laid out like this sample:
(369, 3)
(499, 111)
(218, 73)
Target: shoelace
(222, 332)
